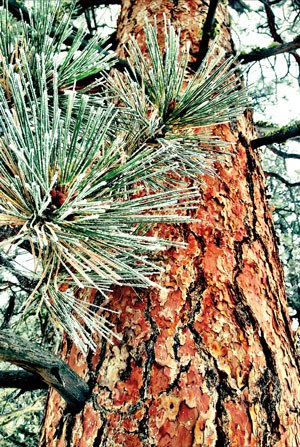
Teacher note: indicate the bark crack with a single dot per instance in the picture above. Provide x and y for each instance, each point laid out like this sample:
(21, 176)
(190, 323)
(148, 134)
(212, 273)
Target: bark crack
(149, 346)
(93, 374)
(143, 429)
(98, 440)
(269, 384)
(175, 383)
(224, 390)
(70, 421)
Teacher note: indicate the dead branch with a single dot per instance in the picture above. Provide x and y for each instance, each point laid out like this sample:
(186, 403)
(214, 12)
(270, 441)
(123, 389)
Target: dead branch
(279, 136)
(23, 380)
(271, 21)
(263, 53)
(46, 367)
(283, 154)
(282, 179)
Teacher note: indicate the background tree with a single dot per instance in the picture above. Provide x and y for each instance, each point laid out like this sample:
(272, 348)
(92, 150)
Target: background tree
(275, 70)
(183, 369)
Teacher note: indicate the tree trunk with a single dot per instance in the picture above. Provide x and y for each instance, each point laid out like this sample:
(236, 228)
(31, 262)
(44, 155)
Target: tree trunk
(212, 360)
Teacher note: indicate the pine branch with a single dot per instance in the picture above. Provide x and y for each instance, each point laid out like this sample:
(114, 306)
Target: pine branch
(24, 380)
(20, 12)
(83, 181)
(273, 50)
(282, 179)
(48, 368)
(213, 95)
(279, 136)
(83, 205)
(166, 109)
(207, 33)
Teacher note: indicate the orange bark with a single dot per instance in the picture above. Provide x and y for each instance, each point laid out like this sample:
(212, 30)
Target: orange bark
(210, 360)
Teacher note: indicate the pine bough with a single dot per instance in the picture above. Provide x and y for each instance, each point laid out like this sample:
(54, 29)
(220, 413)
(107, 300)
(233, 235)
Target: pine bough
(84, 176)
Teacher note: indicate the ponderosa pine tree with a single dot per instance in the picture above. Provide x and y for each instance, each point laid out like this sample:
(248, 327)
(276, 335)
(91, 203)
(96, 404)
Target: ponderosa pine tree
(207, 358)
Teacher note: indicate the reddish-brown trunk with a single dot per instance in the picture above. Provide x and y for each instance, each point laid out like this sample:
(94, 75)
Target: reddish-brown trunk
(211, 360)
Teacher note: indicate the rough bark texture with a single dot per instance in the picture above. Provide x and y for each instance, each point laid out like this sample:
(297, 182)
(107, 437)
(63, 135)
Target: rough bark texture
(211, 361)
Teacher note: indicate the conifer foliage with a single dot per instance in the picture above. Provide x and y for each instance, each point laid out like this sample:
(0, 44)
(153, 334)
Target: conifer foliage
(83, 175)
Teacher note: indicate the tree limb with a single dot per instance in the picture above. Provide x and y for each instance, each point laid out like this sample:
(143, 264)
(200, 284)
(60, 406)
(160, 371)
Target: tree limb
(271, 21)
(24, 380)
(48, 368)
(206, 33)
(263, 53)
(280, 136)
(283, 154)
(282, 179)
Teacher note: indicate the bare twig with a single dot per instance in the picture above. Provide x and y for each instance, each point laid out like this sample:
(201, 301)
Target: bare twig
(282, 179)
(279, 136)
(271, 22)
(48, 368)
(283, 154)
(276, 36)
(297, 60)
(26, 283)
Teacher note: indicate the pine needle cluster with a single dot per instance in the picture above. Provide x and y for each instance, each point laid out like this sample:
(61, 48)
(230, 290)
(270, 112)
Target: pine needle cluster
(84, 175)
